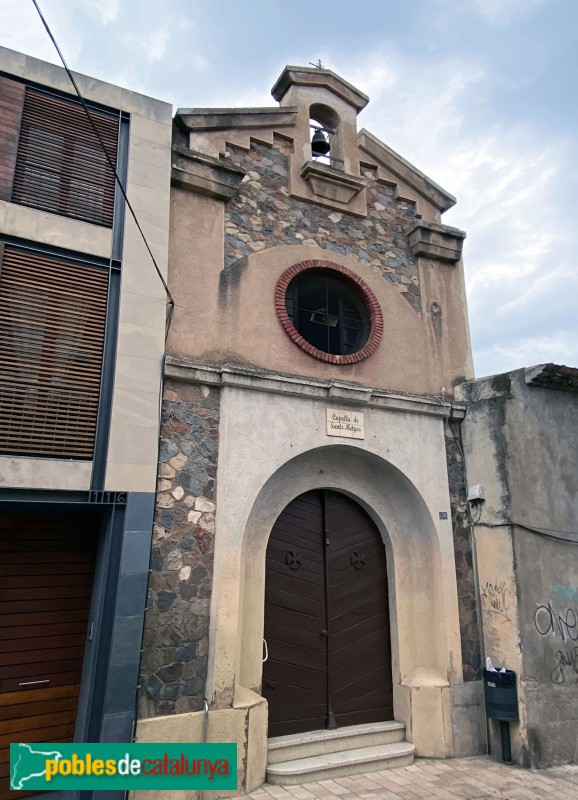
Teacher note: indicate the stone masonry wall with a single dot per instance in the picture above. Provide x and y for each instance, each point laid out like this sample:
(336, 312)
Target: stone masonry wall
(469, 632)
(175, 645)
(263, 215)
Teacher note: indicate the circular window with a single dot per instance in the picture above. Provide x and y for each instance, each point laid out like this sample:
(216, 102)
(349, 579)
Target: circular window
(328, 311)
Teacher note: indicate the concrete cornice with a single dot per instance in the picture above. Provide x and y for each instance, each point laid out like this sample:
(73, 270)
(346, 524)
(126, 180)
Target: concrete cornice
(437, 242)
(405, 171)
(331, 183)
(552, 376)
(195, 120)
(311, 76)
(197, 172)
(327, 391)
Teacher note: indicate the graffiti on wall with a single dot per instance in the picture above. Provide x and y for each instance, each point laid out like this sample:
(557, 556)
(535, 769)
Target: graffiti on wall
(496, 598)
(561, 624)
(566, 666)
(557, 623)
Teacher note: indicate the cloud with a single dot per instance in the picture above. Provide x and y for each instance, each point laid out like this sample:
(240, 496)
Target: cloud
(508, 178)
(507, 185)
(106, 11)
(109, 10)
(253, 98)
(421, 118)
(500, 12)
(495, 13)
(537, 291)
(443, 101)
(21, 29)
(375, 75)
(528, 353)
(150, 40)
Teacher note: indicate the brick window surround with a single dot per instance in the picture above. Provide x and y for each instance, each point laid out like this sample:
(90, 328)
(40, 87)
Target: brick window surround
(369, 299)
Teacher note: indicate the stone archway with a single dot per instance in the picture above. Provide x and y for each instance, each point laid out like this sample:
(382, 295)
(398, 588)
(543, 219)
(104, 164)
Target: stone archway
(423, 600)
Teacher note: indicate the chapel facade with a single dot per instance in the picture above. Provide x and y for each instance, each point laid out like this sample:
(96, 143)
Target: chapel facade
(310, 512)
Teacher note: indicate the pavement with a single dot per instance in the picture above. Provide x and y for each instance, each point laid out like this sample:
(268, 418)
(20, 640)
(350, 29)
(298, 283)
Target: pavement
(476, 778)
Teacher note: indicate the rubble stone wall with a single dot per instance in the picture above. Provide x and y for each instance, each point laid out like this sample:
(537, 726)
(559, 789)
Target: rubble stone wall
(469, 632)
(174, 659)
(263, 215)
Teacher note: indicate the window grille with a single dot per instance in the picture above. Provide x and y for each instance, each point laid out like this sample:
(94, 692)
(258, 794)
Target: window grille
(328, 312)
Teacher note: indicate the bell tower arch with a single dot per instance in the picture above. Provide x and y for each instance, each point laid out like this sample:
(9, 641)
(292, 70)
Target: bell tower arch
(320, 96)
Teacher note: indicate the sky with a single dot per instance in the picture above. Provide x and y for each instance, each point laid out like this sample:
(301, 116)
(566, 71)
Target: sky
(481, 95)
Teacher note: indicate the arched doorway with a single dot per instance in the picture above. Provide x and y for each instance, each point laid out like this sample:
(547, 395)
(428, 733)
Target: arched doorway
(326, 617)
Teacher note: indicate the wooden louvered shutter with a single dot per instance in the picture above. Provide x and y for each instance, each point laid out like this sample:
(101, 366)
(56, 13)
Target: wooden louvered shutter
(52, 323)
(11, 100)
(60, 165)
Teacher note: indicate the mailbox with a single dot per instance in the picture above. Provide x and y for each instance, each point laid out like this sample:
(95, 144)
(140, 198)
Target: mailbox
(501, 695)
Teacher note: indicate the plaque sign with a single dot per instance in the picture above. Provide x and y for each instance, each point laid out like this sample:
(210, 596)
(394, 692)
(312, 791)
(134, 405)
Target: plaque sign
(346, 423)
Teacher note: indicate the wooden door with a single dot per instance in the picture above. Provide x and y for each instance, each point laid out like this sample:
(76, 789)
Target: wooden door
(295, 674)
(46, 575)
(326, 617)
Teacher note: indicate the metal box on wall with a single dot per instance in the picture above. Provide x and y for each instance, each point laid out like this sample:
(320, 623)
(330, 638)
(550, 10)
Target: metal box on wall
(501, 695)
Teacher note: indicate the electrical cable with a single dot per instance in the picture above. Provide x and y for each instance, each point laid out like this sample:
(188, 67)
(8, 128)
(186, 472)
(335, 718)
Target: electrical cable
(479, 514)
(546, 532)
(539, 531)
(170, 301)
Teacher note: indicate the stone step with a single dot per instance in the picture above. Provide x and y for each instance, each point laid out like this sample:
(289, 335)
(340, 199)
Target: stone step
(314, 743)
(340, 764)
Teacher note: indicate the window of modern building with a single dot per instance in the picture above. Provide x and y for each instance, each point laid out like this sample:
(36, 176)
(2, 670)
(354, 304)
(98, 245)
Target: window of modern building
(60, 165)
(52, 327)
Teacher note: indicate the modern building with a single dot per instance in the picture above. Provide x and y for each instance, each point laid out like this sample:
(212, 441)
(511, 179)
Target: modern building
(82, 329)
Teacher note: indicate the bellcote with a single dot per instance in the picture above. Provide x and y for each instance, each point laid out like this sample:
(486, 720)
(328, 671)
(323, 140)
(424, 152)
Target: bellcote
(327, 106)
(293, 80)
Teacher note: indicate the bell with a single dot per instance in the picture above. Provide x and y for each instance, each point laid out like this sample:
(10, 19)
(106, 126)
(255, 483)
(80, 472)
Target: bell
(319, 144)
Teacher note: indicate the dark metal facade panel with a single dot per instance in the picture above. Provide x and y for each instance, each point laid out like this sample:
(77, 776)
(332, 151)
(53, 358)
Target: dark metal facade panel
(107, 701)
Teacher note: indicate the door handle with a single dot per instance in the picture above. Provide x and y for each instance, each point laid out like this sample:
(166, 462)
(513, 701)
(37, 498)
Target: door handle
(33, 683)
(265, 651)
(324, 632)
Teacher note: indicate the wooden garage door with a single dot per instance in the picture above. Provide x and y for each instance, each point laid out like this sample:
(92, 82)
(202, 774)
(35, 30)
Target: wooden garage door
(46, 574)
(326, 617)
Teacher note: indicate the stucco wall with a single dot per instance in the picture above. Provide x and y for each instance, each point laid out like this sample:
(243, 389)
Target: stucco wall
(272, 446)
(238, 251)
(520, 443)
